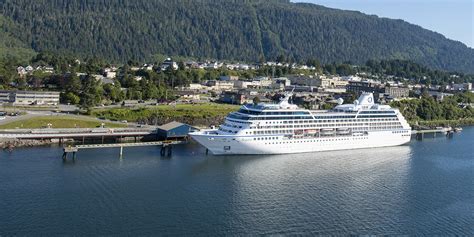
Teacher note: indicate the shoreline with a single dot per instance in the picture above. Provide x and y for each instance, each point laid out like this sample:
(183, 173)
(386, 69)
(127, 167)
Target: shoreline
(416, 125)
(11, 143)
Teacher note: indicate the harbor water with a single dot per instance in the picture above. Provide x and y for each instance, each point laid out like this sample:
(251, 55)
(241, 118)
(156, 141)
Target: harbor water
(423, 188)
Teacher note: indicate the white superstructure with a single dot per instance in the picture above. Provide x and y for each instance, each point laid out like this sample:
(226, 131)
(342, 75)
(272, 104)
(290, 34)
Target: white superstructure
(285, 128)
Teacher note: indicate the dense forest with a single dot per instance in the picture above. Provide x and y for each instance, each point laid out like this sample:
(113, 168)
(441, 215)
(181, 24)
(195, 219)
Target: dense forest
(427, 109)
(414, 72)
(250, 30)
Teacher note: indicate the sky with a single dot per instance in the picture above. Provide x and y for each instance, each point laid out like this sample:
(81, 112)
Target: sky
(452, 18)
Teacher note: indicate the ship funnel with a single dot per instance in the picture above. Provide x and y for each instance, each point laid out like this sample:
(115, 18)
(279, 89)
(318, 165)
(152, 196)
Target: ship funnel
(366, 99)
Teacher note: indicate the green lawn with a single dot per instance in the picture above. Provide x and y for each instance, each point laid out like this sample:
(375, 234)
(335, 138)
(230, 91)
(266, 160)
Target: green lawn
(178, 112)
(58, 122)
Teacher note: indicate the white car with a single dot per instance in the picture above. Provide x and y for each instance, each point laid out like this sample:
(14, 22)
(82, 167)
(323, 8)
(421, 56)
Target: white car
(2, 118)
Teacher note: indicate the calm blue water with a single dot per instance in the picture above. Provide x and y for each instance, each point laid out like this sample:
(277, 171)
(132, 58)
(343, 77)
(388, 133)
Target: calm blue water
(424, 188)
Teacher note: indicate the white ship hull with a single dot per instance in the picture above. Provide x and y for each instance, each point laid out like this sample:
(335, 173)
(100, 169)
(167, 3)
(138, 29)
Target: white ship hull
(233, 145)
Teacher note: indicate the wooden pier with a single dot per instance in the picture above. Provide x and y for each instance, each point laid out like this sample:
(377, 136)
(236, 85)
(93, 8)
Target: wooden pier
(166, 147)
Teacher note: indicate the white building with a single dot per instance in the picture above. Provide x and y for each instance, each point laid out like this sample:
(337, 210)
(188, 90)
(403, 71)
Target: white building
(229, 78)
(29, 97)
(220, 85)
(168, 63)
(242, 84)
(110, 74)
(195, 86)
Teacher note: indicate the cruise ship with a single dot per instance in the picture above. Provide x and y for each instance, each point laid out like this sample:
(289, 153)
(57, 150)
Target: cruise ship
(285, 128)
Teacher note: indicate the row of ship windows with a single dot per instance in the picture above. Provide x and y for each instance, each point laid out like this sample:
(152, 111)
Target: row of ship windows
(327, 125)
(378, 112)
(332, 121)
(291, 131)
(319, 121)
(244, 111)
(225, 130)
(314, 140)
(236, 116)
(236, 121)
(376, 128)
(312, 121)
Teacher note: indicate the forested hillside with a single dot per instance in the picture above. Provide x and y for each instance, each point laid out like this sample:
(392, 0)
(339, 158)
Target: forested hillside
(249, 30)
(11, 47)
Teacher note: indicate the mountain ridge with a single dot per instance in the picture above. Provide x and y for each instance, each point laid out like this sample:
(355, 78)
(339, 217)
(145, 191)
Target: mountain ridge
(248, 30)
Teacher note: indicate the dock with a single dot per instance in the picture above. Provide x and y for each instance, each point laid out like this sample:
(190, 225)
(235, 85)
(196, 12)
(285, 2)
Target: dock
(166, 147)
(420, 134)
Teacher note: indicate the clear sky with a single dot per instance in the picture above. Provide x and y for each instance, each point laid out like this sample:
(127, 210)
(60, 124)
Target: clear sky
(452, 18)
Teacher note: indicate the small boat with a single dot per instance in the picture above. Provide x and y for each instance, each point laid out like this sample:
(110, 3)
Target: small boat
(343, 131)
(458, 129)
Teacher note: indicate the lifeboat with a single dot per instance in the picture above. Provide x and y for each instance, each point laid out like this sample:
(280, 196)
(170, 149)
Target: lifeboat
(327, 131)
(343, 130)
(298, 132)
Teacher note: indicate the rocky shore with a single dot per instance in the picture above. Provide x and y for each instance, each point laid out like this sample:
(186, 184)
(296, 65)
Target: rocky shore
(13, 143)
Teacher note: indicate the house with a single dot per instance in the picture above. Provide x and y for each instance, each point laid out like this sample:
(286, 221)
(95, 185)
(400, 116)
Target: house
(214, 65)
(261, 82)
(174, 130)
(282, 80)
(331, 82)
(195, 86)
(148, 67)
(242, 84)
(168, 63)
(459, 87)
(228, 78)
(21, 70)
(188, 95)
(105, 81)
(439, 96)
(110, 74)
(220, 85)
(48, 69)
(102, 79)
(365, 86)
(232, 97)
(191, 64)
(305, 81)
